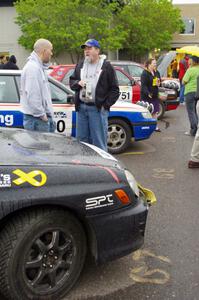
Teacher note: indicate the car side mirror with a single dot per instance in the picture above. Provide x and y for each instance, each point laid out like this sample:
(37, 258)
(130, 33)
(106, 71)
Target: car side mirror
(71, 99)
(132, 81)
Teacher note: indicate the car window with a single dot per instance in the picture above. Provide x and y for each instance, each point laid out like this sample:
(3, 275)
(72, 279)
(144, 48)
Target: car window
(135, 71)
(8, 91)
(122, 79)
(123, 67)
(57, 94)
(66, 77)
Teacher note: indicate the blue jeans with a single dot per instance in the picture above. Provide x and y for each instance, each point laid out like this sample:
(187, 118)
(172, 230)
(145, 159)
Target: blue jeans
(181, 93)
(192, 113)
(92, 125)
(36, 124)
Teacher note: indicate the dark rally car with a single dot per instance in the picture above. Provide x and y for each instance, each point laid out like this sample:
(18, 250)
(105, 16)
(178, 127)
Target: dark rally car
(61, 199)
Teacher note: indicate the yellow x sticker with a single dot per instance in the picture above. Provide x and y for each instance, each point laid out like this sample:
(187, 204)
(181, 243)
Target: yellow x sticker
(30, 177)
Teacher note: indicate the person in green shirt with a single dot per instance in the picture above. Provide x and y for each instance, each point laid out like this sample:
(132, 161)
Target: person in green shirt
(194, 161)
(190, 82)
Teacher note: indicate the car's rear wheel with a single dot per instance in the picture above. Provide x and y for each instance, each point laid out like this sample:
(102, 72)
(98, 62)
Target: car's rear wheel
(42, 255)
(119, 136)
(161, 110)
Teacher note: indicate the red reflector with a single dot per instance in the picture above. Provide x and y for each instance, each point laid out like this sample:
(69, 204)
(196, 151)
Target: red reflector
(123, 197)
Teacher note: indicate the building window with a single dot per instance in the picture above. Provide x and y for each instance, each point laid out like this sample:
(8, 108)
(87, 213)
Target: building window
(6, 2)
(189, 26)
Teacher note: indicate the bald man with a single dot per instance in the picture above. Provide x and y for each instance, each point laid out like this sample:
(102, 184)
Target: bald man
(36, 103)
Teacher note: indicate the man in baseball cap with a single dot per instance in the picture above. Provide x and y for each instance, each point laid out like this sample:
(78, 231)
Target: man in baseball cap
(91, 43)
(96, 90)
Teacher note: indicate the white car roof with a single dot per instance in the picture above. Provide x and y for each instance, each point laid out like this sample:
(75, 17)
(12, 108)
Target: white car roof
(12, 72)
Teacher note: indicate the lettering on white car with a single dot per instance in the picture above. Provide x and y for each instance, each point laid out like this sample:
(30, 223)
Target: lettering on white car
(8, 120)
(125, 96)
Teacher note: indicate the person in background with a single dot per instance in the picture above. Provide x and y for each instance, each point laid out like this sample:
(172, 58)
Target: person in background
(150, 81)
(174, 68)
(96, 90)
(194, 161)
(36, 100)
(183, 66)
(1, 59)
(190, 82)
(11, 64)
(4, 60)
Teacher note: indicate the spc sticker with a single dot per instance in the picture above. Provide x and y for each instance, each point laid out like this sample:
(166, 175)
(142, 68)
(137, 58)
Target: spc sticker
(99, 202)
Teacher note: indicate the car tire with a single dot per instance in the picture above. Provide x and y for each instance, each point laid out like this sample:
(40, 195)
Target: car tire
(119, 135)
(42, 254)
(161, 110)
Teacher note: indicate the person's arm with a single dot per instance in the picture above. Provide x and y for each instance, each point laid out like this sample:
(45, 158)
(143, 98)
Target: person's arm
(34, 94)
(114, 91)
(186, 77)
(197, 90)
(75, 81)
(144, 85)
(159, 78)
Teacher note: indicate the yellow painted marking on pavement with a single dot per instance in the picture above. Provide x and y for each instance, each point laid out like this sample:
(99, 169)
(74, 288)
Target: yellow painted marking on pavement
(29, 177)
(133, 153)
(141, 253)
(163, 173)
(147, 279)
(143, 274)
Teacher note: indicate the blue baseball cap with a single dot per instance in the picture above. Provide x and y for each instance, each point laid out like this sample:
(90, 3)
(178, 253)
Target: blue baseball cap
(91, 43)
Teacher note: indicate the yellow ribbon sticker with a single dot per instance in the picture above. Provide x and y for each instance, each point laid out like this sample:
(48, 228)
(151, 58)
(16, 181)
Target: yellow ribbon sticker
(30, 177)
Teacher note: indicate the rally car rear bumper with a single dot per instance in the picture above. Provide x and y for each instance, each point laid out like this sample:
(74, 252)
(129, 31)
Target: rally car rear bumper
(172, 104)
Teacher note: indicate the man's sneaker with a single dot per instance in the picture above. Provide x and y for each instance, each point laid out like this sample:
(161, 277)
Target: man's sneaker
(187, 133)
(193, 164)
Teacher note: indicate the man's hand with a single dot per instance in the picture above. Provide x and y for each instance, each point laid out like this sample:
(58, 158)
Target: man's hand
(82, 83)
(44, 118)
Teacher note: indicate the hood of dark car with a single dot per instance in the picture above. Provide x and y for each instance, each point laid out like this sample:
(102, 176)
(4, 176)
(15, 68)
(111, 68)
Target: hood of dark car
(22, 147)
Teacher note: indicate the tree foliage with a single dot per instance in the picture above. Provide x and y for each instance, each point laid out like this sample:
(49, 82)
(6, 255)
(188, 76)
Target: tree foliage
(68, 23)
(137, 25)
(150, 24)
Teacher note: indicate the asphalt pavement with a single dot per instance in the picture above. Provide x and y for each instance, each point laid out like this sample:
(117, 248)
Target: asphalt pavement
(167, 266)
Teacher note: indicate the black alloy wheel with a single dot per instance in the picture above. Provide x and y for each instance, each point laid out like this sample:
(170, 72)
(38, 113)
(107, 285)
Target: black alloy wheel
(46, 249)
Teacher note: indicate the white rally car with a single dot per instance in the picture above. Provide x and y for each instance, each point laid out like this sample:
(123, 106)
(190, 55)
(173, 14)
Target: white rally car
(126, 120)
